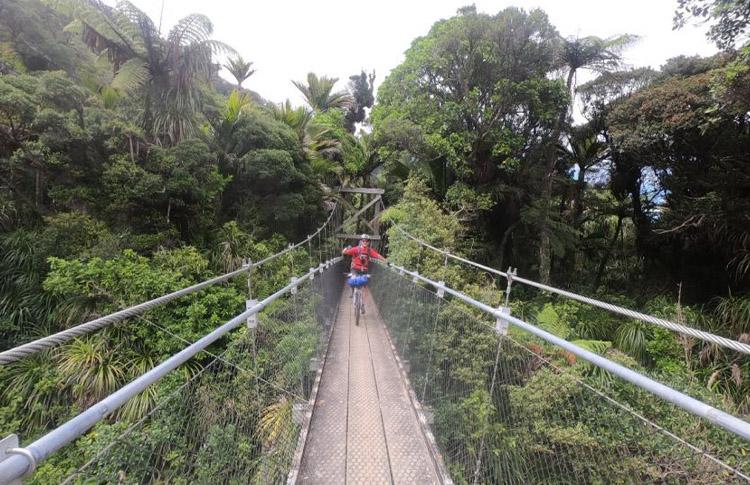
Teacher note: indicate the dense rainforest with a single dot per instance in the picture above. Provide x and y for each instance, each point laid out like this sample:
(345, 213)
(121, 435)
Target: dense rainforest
(130, 168)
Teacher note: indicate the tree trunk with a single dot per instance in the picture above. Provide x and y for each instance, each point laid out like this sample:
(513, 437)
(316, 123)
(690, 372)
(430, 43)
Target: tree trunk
(504, 243)
(607, 254)
(37, 188)
(639, 217)
(578, 196)
(545, 249)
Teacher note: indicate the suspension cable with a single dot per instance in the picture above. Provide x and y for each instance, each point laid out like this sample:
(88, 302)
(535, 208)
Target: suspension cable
(620, 405)
(676, 327)
(44, 343)
(17, 465)
(695, 407)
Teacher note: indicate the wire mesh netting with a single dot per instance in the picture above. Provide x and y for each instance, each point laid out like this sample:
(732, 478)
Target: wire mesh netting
(514, 409)
(709, 369)
(234, 419)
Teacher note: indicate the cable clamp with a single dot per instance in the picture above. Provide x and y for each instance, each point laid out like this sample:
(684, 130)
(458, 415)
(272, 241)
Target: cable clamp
(501, 324)
(252, 320)
(512, 272)
(9, 446)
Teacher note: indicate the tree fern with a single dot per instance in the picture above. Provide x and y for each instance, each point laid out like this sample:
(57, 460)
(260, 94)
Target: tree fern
(131, 76)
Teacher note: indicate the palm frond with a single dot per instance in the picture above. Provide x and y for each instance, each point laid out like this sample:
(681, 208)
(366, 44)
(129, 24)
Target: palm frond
(236, 104)
(91, 368)
(275, 420)
(318, 93)
(631, 337)
(239, 68)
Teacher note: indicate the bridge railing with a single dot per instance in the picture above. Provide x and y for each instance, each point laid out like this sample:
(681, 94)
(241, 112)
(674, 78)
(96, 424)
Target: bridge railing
(511, 277)
(319, 246)
(510, 407)
(235, 418)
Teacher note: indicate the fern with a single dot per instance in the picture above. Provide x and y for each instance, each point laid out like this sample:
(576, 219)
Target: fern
(548, 319)
(131, 76)
(597, 346)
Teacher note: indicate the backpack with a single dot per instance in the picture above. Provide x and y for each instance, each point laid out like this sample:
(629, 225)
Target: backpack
(364, 256)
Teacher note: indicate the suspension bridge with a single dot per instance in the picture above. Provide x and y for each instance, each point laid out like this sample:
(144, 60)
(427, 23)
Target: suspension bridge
(433, 386)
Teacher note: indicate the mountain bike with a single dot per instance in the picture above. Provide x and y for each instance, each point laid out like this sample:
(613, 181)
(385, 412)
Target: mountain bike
(357, 283)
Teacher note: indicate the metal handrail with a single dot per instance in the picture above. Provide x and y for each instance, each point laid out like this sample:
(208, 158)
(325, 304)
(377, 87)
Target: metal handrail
(676, 327)
(24, 350)
(720, 418)
(20, 462)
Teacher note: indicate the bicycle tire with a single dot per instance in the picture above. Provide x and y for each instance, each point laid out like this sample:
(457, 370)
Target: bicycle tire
(357, 304)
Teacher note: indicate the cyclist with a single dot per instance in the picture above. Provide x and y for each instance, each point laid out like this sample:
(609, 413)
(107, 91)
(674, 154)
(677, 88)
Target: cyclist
(361, 255)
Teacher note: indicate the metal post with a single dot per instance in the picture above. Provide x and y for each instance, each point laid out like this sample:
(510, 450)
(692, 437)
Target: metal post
(432, 344)
(320, 250)
(309, 249)
(511, 274)
(501, 328)
(20, 462)
(693, 406)
(8, 448)
(478, 464)
(250, 269)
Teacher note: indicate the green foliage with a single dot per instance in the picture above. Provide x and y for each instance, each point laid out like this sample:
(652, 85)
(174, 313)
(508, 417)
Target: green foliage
(33, 39)
(166, 72)
(361, 87)
(444, 114)
(240, 69)
(319, 94)
(730, 19)
(126, 176)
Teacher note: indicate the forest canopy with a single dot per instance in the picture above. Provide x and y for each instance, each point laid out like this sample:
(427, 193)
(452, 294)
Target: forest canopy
(129, 168)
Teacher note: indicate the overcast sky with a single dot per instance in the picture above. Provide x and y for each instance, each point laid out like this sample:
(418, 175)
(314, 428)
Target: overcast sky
(287, 39)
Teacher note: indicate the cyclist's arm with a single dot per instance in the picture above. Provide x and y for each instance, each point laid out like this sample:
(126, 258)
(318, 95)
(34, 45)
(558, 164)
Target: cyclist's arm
(350, 251)
(376, 255)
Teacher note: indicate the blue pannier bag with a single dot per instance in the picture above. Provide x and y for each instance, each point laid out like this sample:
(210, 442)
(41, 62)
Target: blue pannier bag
(359, 280)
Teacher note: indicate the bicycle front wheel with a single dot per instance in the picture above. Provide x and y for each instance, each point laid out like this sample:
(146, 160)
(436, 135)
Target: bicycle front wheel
(357, 306)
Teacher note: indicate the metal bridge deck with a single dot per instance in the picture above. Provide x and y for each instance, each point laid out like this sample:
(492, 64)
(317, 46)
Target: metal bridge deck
(364, 428)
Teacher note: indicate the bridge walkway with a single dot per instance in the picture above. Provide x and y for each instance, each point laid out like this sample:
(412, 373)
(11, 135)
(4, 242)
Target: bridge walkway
(364, 427)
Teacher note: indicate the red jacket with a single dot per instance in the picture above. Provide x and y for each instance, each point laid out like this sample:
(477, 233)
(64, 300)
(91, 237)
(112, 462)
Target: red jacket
(361, 257)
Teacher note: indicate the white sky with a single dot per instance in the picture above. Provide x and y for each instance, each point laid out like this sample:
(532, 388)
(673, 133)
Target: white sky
(286, 39)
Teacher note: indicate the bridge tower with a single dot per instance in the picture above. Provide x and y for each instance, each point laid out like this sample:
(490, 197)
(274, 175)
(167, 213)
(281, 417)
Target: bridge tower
(365, 206)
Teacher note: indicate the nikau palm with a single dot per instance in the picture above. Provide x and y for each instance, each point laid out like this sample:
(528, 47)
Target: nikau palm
(240, 69)
(318, 143)
(167, 72)
(318, 93)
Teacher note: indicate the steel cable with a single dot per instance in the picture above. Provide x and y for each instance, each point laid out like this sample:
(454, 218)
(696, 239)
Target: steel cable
(44, 343)
(676, 327)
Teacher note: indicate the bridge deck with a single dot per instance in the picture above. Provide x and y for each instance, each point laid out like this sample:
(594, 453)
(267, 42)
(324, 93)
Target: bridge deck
(364, 428)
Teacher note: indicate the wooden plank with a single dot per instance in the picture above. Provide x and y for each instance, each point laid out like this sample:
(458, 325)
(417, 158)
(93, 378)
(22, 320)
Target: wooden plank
(359, 212)
(362, 190)
(356, 236)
